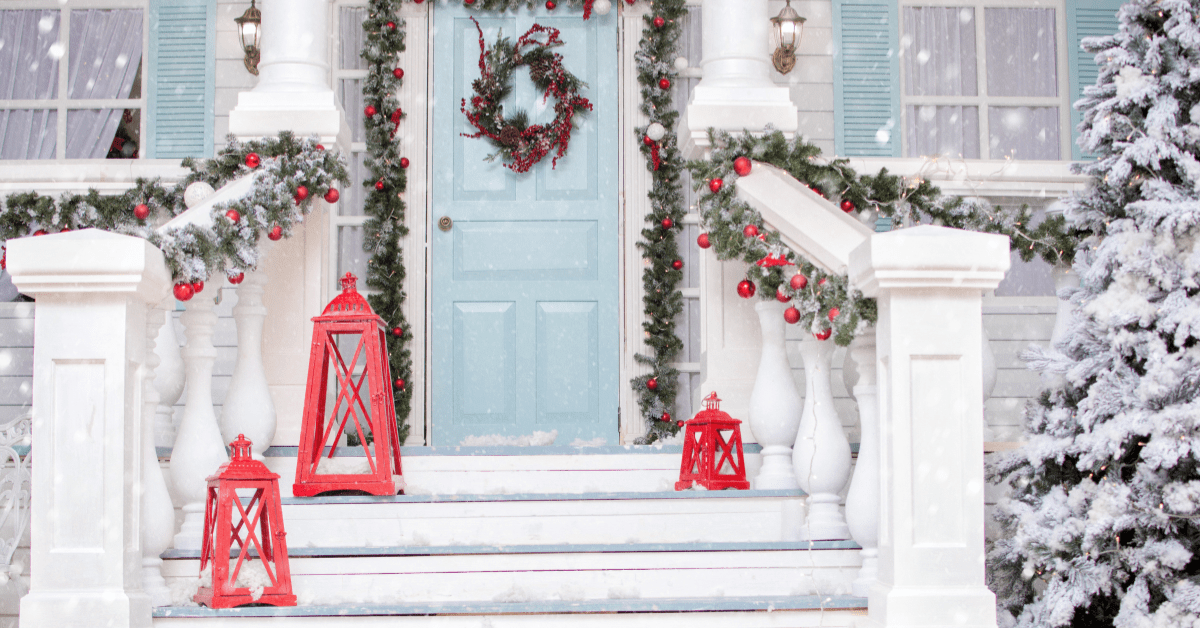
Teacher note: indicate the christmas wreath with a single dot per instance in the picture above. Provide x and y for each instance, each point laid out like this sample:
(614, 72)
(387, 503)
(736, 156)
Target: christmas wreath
(521, 144)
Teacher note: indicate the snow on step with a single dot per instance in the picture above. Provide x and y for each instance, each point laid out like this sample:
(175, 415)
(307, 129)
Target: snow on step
(423, 520)
(559, 572)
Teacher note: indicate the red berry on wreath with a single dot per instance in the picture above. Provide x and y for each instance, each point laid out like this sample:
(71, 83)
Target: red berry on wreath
(399, 383)
(404, 162)
(824, 335)
(397, 332)
(332, 196)
(392, 25)
(781, 297)
(233, 215)
(823, 280)
(39, 232)
(236, 279)
(677, 264)
(715, 185)
(833, 312)
(745, 288)
(184, 291)
(799, 281)
(750, 231)
(550, 5)
(664, 83)
(252, 160)
(847, 206)
(702, 241)
(666, 416)
(369, 111)
(141, 211)
(379, 185)
(652, 383)
(791, 315)
(742, 166)
(659, 22)
(275, 233)
(398, 73)
(667, 223)
(301, 193)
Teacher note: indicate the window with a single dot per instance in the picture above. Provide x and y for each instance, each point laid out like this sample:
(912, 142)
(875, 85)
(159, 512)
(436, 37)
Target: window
(89, 107)
(349, 72)
(983, 81)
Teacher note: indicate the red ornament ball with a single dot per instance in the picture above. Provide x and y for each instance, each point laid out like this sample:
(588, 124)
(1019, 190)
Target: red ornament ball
(397, 332)
(396, 116)
(253, 160)
(141, 211)
(233, 215)
(823, 280)
(666, 416)
(702, 241)
(679, 423)
(667, 223)
(236, 279)
(799, 281)
(745, 288)
(630, 2)
(392, 25)
(715, 185)
(824, 335)
(63, 230)
(847, 206)
(833, 312)
(301, 193)
(652, 383)
(404, 162)
(664, 83)
(369, 111)
(742, 166)
(550, 5)
(750, 231)
(647, 141)
(399, 383)
(275, 233)
(781, 297)
(39, 232)
(791, 315)
(817, 191)
(332, 195)
(320, 147)
(379, 185)
(677, 264)
(469, 1)
(398, 73)
(198, 286)
(659, 22)
(184, 291)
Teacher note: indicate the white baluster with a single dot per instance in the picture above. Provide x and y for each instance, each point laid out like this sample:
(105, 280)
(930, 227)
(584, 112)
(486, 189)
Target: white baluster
(1064, 278)
(199, 450)
(774, 403)
(248, 408)
(821, 456)
(158, 515)
(168, 381)
(862, 501)
(989, 381)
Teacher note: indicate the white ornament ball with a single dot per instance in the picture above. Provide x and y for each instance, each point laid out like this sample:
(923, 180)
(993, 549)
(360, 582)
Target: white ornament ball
(601, 7)
(655, 131)
(681, 63)
(196, 193)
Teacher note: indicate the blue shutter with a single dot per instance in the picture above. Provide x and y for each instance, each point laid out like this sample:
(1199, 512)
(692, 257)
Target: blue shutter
(1085, 18)
(866, 78)
(182, 73)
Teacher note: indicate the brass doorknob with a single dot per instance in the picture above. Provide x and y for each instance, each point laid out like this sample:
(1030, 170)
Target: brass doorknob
(445, 223)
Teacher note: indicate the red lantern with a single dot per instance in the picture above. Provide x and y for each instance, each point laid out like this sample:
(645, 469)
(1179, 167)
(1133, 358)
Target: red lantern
(348, 317)
(254, 525)
(712, 451)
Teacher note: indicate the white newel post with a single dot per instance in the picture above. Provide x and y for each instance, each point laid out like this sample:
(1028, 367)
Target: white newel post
(168, 381)
(248, 408)
(862, 500)
(93, 289)
(821, 455)
(774, 403)
(158, 515)
(928, 282)
(199, 449)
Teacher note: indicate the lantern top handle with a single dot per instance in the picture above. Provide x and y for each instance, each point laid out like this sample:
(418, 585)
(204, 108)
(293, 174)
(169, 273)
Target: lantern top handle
(349, 283)
(241, 448)
(712, 402)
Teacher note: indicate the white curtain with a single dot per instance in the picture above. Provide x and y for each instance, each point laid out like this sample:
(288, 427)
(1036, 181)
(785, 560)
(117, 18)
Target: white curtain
(1021, 61)
(28, 70)
(938, 52)
(106, 50)
(942, 130)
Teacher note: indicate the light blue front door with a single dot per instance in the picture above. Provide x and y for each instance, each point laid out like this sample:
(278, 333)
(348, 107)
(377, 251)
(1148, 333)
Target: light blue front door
(524, 282)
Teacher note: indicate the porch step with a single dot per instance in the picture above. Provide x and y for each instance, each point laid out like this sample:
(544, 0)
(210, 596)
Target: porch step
(540, 518)
(564, 573)
(688, 612)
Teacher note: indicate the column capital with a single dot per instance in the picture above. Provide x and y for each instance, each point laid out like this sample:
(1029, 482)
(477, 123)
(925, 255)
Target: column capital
(88, 261)
(929, 257)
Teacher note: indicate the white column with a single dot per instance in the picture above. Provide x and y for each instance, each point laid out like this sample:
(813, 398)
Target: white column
(248, 408)
(736, 92)
(158, 515)
(168, 380)
(199, 449)
(862, 500)
(928, 282)
(821, 455)
(93, 289)
(774, 403)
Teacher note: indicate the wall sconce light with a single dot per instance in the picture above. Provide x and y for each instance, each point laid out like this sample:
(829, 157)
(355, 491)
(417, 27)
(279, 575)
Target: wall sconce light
(250, 28)
(787, 29)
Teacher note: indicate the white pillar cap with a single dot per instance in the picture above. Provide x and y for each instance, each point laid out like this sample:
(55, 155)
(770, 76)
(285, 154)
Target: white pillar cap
(89, 260)
(929, 257)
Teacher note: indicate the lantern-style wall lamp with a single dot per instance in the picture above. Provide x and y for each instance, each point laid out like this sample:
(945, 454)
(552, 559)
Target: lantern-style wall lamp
(250, 28)
(787, 29)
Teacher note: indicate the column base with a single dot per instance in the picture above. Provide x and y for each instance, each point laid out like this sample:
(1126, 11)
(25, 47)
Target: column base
(734, 110)
(930, 607)
(776, 473)
(191, 532)
(264, 114)
(868, 575)
(825, 521)
(79, 608)
(153, 582)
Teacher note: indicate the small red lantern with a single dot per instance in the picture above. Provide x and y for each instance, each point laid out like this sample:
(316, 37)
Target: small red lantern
(260, 572)
(348, 316)
(712, 450)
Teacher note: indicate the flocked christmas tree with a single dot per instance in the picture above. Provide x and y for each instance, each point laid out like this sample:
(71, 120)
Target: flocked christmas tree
(1101, 525)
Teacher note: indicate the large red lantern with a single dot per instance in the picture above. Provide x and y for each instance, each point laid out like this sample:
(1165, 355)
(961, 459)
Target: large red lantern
(712, 450)
(363, 404)
(254, 524)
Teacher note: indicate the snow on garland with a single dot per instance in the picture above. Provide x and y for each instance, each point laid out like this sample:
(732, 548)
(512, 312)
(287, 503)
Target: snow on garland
(599, 6)
(288, 174)
(823, 302)
(521, 144)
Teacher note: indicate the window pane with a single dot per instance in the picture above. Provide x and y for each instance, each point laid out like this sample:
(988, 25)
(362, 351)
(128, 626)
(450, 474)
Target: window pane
(106, 51)
(944, 130)
(29, 54)
(351, 257)
(1021, 54)
(355, 194)
(938, 49)
(1023, 132)
(90, 132)
(352, 103)
(352, 37)
(28, 133)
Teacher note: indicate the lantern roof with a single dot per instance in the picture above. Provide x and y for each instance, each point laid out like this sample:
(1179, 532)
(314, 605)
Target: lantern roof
(349, 304)
(241, 465)
(712, 410)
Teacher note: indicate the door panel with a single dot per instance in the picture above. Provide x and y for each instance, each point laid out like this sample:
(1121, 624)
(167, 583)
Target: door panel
(524, 284)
